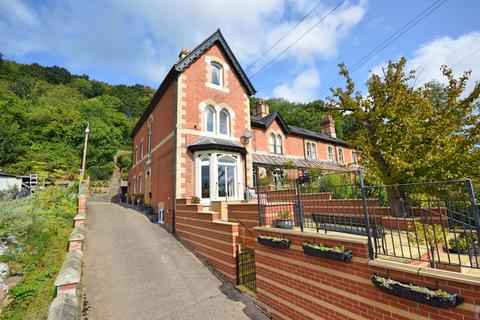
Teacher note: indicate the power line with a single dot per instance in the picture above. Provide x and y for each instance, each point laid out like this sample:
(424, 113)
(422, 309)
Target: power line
(410, 24)
(461, 61)
(298, 39)
(283, 37)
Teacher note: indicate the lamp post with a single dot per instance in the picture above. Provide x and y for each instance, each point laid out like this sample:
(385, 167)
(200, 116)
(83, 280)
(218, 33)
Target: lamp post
(84, 160)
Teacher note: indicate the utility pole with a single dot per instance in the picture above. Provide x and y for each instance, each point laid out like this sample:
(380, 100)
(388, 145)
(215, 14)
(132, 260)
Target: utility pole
(84, 160)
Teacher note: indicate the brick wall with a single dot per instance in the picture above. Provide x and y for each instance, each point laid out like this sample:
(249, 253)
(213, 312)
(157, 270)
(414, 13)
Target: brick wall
(246, 215)
(213, 239)
(296, 286)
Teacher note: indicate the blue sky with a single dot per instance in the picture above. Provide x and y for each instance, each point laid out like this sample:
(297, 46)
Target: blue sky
(137, 41)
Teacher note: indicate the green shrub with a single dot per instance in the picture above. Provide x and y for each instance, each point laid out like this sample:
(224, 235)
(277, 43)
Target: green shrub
(103, 172)
(41, 223)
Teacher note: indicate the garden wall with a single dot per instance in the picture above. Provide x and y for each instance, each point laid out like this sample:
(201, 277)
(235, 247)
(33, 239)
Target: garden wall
(293, 285)
(213, 239)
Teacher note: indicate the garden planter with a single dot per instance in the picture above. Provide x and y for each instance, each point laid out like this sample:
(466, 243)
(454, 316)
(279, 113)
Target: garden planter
(274, 242)
(283, 223)
(435, 298)
(328, 254)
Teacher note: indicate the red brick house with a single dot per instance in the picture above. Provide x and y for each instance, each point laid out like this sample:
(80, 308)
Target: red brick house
(197, 137)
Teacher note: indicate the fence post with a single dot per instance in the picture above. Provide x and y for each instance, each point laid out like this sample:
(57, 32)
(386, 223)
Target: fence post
(300, 207)
(259, 206)
(365, 211)
(468, 184)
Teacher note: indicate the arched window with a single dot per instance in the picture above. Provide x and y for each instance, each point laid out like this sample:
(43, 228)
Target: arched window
(279, 145)
(314, 151)
(354, 156)
(340, 155)
(149, 140)
(307, 150)
(210, 120)
(216, 74)
(226, 176)
(224, 122)
(272, 143)
(330, 153)
(205, 176)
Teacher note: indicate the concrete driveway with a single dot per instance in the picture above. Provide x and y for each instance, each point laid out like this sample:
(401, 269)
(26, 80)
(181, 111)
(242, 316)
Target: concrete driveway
(136, 270)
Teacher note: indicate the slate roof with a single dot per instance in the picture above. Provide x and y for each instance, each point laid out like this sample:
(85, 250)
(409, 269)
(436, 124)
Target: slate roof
(184, 63)
(4, 174)
(279, 161)
(209, 143)
(266, 121)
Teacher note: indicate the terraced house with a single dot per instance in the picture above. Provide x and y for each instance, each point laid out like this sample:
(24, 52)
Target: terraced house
(198, 137)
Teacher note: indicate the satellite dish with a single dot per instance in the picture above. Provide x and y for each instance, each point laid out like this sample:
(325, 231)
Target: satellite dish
(247, 134)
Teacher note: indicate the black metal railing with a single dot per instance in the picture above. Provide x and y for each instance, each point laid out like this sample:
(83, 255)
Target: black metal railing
(435, 223)
(246, 268)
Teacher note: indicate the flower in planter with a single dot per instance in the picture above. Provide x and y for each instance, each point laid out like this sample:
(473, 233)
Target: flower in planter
(338, 253)
(434, 297)
(274, 242)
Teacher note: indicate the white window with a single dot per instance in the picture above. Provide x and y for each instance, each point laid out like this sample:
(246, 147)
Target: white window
(313, 152)
(224, 122)
(218, 176)
(136, 155)
(272, 143)
(330, 153)
(134, 185)
(340, 155)
(354, 156)
(279, 144)
(149, 140)
(217, 74)
(141, 150)
(140, 183)
(210, 119)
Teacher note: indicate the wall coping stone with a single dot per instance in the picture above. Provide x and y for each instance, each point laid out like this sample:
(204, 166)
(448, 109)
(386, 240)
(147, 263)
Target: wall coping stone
(64, 307)
(334, 237)
(78, 233)
(225, 223)
(427, 272)
(71, 270)
(80, 216)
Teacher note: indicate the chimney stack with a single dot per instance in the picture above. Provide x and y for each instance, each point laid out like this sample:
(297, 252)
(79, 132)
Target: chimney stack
(183, 53)
(261, 109)
(327, 127)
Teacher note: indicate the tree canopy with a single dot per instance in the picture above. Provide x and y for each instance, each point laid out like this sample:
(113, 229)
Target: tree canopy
(43, 115)
(407, 134)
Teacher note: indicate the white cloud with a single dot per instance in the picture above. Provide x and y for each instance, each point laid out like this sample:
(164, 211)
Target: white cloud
(302, 87)
(429, 57)
(142, 38)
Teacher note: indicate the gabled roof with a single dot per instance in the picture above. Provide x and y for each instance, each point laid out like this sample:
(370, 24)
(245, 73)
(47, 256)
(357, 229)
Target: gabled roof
(266, 121)
(181, 65)
(216, 37)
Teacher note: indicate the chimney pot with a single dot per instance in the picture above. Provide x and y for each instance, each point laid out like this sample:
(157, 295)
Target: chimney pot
(183, 53)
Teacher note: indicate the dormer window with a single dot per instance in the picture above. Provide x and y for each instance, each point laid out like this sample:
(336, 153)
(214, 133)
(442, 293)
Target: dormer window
(275, 143)
(330, 153)
(210, 120)
(216, 74)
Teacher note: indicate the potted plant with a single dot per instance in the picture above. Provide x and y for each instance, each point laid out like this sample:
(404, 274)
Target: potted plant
(465, 243)
(274, 242)
(338, 253)
(284, 220)
(433, 297)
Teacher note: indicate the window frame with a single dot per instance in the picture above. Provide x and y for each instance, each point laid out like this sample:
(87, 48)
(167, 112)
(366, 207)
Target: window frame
(211, 109)
(272, 143)
(227, 119)
(330, 153)
(217, 66)
(278, 144)
(340, 155)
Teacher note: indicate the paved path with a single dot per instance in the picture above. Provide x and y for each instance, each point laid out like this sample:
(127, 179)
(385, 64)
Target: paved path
(136, 270)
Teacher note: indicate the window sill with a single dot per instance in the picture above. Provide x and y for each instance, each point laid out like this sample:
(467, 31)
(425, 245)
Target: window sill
(216, 87)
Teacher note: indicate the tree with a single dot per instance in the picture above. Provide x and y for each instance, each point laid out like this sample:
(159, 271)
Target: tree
(408, 134)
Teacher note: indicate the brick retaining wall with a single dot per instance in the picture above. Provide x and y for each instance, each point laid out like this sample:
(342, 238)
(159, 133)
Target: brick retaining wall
(296, 286)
